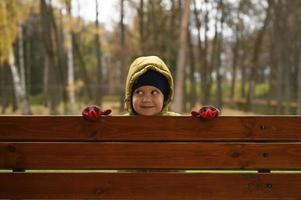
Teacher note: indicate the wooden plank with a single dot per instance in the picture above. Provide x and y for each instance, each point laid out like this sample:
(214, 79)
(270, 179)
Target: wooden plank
(150, 155)
(149, 186)
(124, 128)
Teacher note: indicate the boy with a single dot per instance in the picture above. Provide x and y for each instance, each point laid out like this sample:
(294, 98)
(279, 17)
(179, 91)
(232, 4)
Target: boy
(149, 91)
(149, 87)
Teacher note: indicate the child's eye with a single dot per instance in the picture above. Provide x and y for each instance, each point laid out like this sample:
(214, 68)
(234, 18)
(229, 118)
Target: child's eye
(139, 92)
(155, 92)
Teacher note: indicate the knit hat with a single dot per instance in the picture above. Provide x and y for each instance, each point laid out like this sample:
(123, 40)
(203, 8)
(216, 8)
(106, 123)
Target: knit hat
(153, 78)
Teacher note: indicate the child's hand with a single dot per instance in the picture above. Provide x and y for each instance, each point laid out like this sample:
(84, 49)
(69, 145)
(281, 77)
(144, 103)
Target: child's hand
(206, 113)
(93, 113)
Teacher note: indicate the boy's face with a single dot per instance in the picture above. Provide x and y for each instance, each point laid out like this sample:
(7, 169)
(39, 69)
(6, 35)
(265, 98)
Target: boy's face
(148, 100)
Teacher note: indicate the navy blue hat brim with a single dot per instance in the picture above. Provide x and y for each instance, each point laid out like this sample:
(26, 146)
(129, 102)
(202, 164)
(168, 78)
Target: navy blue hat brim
(153, 78)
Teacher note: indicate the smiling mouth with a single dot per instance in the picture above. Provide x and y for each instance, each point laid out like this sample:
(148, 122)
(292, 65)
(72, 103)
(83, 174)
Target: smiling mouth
(147, 107)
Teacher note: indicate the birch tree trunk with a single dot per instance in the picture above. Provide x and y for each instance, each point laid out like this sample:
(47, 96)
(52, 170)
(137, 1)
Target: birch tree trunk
(20, 91)
(19, 84)
(21, 57)
(178, 100)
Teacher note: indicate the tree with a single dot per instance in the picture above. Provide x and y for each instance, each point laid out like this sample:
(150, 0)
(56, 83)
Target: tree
(236, 48)
(70, 65)
(192, 90)
(122, 49)
(256, 53)
(219, 54)
(51, 77)
(99, 88)
(180, 70)
(10, 32)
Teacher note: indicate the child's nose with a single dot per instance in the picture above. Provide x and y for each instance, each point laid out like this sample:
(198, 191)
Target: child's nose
(146, 98)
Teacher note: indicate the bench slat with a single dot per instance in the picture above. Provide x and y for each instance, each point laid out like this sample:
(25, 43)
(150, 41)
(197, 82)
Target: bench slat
(159, 155)
(122, 128)
(150, 186)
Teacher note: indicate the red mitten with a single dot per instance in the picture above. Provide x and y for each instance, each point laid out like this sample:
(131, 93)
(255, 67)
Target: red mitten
(93, 113)
(206, 113)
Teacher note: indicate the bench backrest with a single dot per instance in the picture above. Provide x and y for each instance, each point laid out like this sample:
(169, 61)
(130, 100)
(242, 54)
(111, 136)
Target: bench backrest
(153, 157)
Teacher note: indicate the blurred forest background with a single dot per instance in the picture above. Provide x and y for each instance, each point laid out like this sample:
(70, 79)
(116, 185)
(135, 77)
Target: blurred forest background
(238, 54)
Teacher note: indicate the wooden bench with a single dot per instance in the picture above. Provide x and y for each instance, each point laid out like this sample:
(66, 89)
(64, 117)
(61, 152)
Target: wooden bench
(153, 158)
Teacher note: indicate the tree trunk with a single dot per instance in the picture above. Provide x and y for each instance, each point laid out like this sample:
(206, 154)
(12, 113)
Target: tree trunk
(99, 88)
(273, 63)
(214, 61)
(185, 97)
(71, 109)
(20, 92)
(192, 94)
(234, 68)
(47, 102)
(178, 101)
(18, 78)
(299, 80)
(141, 26)
(203, 55)
(6, 87)
(235, 54)
(26, 109)
(82, 66)
(28, 61)
(3, 88)
(286, 57)
(171, 50)
(60, 55)
(255, 58)
(202, 52)
(278, 29)
(21, 56)
(204, 64)
(52, 84)
(122, 59)
(219, 54)
(242, 67)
